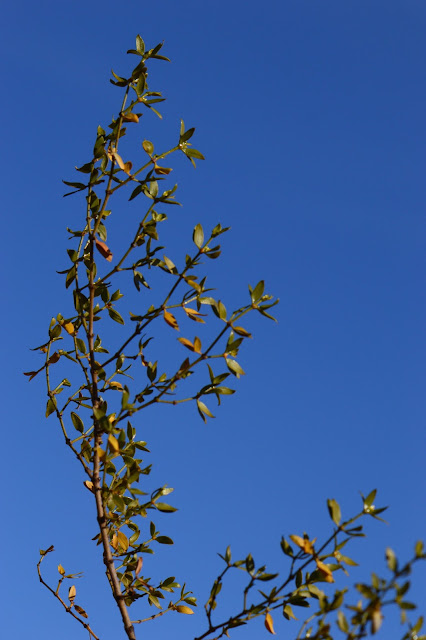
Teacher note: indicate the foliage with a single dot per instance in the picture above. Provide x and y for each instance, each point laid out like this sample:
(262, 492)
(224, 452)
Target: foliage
(97, 417)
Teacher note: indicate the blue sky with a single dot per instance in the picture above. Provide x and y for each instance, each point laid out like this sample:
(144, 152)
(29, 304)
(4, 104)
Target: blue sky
(311, 118)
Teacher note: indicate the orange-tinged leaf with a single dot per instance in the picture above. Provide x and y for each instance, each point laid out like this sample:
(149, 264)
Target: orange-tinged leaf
(187, 343)
(325, 571)
(194, 315)
(61, 570)
(127, 167)
(130, 117)
(269, 623)
(81, 611)
(31, 374)
(53, 358)
(181, 608)
(139, 566)
(71, 593)
(303, 543)
(170, 319)
(89, 485)
(103, 250)
(197, 345)
(115, 385)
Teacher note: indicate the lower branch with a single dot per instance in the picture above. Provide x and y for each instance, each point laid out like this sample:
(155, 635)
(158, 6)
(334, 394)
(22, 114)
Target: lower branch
(67, 608)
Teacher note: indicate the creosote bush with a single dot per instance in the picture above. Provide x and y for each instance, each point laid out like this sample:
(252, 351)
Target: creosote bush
(99, 410)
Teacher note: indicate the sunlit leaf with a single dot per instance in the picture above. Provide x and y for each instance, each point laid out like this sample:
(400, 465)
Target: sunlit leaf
(170, 319)
(181, 608)
(269, 623)
(103, 250)
(303, 543)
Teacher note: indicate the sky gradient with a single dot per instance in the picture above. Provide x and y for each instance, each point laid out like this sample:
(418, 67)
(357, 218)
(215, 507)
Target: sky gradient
(311, 119)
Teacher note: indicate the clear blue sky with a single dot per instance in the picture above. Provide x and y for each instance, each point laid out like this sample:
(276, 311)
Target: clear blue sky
(311, 118)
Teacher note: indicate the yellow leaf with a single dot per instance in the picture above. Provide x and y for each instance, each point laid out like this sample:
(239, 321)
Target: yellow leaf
(376, 620)
(303, 543)
(123, 541)
(325, 571)
(197, 345)
(269, 623)
(61, 570)
(71, 593)
(194, 315)
(162, 171)
(69, 328)
(242, 332)
(114, 541)
(118, 159)
(81, 611)
(88, 485)
(101, 454)
(187, 343)
(130, 117)
(113, 443)
(170, 319)
(193, 284)
(288, 611)
(182, 609)
(115, 385)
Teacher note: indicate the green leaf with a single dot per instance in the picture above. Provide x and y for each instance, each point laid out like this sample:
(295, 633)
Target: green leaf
(286, 547)
(114, 315)
(194, 153)
(164, 540)
(267, 576)
(50, 407)
(187, 135)
(165, 508)
(198, 236)
(234, 367)
(334, 511)
(77, 422)
(148, 147)
(368, 501)
(140, 45)
(154, 600)
(342, 622)
(391, 559)
(257, 292)
(81, 345)
(202, 407)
